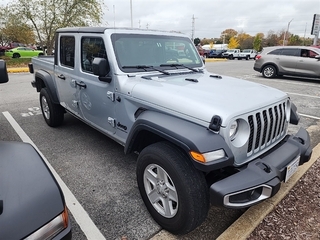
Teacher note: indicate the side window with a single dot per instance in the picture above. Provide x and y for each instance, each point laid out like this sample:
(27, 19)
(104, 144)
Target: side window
(91, 47)
(312, 54)
(291, 52)
(67, 45)
(275, 52)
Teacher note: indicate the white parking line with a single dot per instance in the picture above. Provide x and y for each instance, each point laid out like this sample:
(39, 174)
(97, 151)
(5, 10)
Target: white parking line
(81, 216)
(309, 116)
(303, 95)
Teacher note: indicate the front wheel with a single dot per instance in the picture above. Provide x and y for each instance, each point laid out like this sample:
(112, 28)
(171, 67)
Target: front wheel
(16, 55)
(269, 71)
(53, 113)
(174, 192)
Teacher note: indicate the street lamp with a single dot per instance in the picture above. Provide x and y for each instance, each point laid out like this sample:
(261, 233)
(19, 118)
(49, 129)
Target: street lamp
(284, 37)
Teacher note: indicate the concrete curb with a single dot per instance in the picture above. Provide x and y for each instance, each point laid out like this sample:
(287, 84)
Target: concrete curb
(17, 70)
(245, 225)
(248, 221)
(26, 69)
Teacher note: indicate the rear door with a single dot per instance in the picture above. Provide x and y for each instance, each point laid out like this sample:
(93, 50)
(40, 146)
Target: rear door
(288, 60)
(66, 72)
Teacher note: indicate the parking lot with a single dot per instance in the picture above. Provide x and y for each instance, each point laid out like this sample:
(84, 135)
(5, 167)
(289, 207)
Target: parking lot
(99, 181)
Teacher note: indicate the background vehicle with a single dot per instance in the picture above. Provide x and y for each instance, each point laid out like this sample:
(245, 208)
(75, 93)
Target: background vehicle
(247, 54)
(199, 136)
(32, 204)
(23, 52)
(216, 53)
(299, 61)
(231, 53)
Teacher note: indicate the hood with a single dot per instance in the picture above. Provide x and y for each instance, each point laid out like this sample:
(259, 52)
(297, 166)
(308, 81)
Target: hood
(202, 96)
(31, 196)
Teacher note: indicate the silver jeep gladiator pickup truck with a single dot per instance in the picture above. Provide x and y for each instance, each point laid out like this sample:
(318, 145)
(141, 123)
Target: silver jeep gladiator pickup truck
(201, 138)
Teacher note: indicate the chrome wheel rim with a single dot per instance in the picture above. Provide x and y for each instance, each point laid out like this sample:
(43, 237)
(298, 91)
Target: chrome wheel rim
(269, 72)
(160, 190)
(45, 108)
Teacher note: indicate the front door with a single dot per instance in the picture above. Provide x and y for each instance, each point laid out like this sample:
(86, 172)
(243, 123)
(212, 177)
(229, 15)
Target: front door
(96, 98)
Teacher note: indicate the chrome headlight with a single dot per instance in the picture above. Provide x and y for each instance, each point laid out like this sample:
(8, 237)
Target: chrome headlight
(239, 132)
(233, 130)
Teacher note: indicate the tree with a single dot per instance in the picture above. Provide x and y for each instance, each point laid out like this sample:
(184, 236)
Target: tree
(233, 43)
(227, 34)
(295, 40)
(17, 31)
(257, 42)
(245, 40)
(46, 16)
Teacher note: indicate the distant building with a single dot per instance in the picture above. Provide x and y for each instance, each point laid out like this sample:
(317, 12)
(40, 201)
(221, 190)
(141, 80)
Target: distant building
(215, 46)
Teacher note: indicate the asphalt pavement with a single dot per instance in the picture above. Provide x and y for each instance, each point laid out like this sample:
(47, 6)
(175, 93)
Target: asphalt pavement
(101, 178)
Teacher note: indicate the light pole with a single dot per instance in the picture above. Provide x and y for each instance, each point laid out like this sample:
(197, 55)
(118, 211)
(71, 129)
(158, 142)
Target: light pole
(131, 13)
(284, 37)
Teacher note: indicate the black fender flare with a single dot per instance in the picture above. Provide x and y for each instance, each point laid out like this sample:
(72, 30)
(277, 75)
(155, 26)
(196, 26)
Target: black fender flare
(49, 84)
(185, 134)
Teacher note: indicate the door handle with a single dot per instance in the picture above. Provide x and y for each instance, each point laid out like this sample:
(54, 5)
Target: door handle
(81, 84)
(61, 76)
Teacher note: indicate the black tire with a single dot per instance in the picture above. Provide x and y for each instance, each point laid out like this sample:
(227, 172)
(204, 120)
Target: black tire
(231, 57)
(52, 113)
(16, 55)
(178, 184)
(269, 71)
(247, 57)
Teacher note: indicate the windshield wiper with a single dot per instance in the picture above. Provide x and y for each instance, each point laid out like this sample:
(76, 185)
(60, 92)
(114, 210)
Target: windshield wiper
(145, 67)
(179, 65)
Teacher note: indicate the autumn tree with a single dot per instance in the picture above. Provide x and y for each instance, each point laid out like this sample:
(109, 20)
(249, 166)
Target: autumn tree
(227, 34)
(46, 16)
(245, 40)
(233, 43)
(15, 30)
(257, 42)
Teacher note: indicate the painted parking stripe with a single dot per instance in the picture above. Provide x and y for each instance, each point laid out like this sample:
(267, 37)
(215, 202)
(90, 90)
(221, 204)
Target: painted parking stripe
(81, 216)
(309, 116)
(303, 95)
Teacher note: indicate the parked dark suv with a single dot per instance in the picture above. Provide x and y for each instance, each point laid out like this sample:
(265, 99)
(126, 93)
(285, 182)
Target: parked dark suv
(299, 61)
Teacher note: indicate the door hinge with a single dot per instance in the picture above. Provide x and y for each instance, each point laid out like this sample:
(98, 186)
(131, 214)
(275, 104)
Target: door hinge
(112, 121)
(111, 95)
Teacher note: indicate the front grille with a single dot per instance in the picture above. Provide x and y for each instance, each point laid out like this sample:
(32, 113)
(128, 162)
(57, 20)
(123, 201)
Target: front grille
(266, 127)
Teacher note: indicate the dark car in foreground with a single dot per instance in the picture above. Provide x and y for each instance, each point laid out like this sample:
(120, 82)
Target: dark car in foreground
(301, 61)
(32, 205)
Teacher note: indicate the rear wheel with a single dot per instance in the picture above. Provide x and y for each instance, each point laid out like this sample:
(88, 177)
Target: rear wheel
(16, 55)
(269, 71)
(53, 113)
(174, 192)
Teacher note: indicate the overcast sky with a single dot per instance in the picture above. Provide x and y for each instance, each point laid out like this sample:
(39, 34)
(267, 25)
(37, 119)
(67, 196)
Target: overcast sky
(211, 17)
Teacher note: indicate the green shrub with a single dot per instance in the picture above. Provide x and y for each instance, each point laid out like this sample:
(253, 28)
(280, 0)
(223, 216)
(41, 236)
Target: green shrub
(16, 62)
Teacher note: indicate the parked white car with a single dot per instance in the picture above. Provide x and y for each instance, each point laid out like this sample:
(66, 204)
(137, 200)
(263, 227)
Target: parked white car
(247, 54)
(231, 53)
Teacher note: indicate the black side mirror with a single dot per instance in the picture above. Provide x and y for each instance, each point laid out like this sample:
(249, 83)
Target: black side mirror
(101, 68)
(3, 72)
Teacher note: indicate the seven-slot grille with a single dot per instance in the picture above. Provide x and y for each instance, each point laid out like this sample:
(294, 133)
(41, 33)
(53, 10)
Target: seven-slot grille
(266, 127)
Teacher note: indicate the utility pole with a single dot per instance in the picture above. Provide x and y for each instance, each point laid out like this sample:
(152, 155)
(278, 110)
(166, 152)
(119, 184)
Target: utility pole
(193, 27)
(131, 13)
(284, 37)
(114, 16)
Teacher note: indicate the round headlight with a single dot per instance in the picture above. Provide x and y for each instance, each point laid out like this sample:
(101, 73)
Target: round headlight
(233, 130)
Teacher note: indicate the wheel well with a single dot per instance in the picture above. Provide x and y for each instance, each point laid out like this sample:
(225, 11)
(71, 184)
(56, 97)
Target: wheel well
(40, 84)
(145, 138)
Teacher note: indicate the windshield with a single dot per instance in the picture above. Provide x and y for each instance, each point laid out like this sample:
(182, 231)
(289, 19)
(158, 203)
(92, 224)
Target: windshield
(162, 52)
(246, 50)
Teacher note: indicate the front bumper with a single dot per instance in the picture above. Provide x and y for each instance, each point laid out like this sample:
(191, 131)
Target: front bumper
(261, 178)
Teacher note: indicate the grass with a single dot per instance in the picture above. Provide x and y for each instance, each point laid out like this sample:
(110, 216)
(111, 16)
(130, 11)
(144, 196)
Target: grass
(16, 62)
